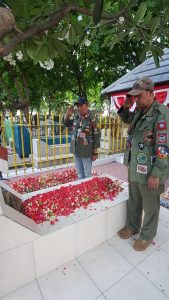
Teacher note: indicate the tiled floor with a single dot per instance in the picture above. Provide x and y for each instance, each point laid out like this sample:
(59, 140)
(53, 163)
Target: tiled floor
(113, 270)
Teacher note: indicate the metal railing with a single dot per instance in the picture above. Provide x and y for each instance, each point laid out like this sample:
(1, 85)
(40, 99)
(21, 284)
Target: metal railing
(43, 141)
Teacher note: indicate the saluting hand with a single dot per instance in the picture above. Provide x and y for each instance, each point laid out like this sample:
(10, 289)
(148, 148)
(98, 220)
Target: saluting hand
(70, 110)
(128, 102)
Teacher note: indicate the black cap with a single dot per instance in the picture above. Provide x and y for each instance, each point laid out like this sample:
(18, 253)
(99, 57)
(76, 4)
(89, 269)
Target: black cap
(81, 101)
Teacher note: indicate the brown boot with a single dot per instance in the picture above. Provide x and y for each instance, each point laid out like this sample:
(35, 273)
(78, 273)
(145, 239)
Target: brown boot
(126, 233)
(141, 245)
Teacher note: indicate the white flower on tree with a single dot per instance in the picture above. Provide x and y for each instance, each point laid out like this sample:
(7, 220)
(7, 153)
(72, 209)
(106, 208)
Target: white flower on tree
(47, 64)
(80, 18)
(10, 59)
(19, 55)
(121, 20)
(87, 43)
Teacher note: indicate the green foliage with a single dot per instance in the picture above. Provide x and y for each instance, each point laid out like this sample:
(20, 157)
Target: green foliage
(122, 35)
(145, 22)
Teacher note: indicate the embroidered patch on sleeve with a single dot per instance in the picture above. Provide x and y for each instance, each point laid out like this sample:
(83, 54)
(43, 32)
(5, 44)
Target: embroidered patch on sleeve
(163, 152)
(162, 137)
(161, 125)
(141, 169)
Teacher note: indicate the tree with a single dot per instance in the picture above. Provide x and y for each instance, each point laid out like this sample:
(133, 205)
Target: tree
(42, 26)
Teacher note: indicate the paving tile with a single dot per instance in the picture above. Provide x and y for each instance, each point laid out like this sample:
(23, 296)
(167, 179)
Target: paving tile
(29, 291)
(125, 248)
(69, 282)
(164, 216)
(101, 298)
(104, 265)
(134, 286)
(156, 269)
(165, 246)
(162, 234)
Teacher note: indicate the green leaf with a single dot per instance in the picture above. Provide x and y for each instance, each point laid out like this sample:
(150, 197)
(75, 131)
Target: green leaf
(78, 29)
(60, 47)
(72, 35)
(156, 58)
(20, 8)
(97, 11)
(64, 31)
(43, 53)
(118, 39)
(148, 17)
(155, 22)
(31, 48)
(141, 12)
(143, 53)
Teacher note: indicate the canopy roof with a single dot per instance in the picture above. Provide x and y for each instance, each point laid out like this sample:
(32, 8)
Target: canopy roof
(148, 68)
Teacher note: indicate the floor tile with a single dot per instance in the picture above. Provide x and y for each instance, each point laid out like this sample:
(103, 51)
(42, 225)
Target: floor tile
(165, 246)
(134, 286)
(104, 265)
(164, 216)
(162, 234)
(125, 248)
(101, 298)
(156, 269)
(69, 282)
(29, 291)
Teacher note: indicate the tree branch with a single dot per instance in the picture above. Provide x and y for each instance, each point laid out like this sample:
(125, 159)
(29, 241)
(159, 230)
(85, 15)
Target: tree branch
(55, 19)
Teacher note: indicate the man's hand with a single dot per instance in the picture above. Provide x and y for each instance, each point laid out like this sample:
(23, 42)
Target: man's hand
(128, 102)
(153, 182)
(70, 111)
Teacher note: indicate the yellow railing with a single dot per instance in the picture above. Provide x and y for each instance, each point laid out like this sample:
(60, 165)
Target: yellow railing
(43, 141)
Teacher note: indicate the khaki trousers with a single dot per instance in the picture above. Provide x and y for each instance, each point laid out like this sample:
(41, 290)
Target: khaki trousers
(141, 198)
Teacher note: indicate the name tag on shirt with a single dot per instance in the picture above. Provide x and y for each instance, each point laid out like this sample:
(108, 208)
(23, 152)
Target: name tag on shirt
(141, 169)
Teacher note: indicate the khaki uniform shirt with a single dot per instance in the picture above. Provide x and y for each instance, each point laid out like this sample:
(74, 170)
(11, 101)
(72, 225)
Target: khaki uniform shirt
(85, 134)
(147, 149)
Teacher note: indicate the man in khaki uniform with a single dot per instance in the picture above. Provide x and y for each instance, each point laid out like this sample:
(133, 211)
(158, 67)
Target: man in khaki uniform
(85, 136)
(147, 158)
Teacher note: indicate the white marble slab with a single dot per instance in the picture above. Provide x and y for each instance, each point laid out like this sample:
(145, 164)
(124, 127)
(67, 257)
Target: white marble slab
(54, 250)
(68, 282)
(29, 291)
(13, 235)
(104, 265)
(90, 232)
(155, 268)
(134, 286)
(16, 268)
